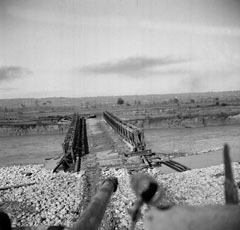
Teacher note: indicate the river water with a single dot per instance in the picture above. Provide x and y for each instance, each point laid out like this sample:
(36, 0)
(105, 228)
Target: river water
(29, 149)
(208, 141)
(36, 148)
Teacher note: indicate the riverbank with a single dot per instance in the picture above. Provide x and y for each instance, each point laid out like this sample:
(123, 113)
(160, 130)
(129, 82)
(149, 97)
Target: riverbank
(179, 121)
(31, 129)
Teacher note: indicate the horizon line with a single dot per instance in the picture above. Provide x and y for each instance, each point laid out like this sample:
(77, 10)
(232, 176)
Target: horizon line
(126, 95)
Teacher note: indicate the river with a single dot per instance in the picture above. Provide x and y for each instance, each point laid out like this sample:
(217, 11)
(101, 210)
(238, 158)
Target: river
(36, 148)
(29, 149)
(208, 140)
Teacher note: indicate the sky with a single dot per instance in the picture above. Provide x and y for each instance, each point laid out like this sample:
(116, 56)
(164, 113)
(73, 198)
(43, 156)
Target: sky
(82, 48)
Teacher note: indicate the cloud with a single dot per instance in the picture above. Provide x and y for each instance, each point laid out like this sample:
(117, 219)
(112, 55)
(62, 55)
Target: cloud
(134, 65)
(8, 73)
(191, 28)
(7, 89)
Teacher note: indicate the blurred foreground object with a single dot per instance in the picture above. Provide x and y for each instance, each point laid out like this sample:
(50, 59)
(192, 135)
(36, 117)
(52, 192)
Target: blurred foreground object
(208, 217)
(184, 218)
(230, 187)
(147, 191)
(92, 216)
(5, 223)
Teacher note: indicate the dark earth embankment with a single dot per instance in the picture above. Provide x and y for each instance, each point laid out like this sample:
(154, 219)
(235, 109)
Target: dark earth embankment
(31, 129)
(186, 122)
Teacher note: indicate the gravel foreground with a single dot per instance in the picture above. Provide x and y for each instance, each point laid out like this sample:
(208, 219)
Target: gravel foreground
(198, 187)
(53, 200)
(57, 198)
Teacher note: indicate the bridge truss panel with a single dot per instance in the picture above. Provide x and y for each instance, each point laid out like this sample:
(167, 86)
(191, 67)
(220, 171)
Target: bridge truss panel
(129, 132)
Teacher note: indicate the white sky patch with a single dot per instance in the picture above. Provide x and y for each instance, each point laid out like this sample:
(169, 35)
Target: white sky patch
(55, 38)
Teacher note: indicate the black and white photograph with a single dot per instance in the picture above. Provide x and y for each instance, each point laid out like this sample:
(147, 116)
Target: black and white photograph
(119, 114)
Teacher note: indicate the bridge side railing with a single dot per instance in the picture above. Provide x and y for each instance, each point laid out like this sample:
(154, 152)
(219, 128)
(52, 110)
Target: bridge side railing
(75, 144)
(129, 132)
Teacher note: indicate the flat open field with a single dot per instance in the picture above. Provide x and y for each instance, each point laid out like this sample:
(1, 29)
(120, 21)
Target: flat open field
(206, 141)
(29, 149)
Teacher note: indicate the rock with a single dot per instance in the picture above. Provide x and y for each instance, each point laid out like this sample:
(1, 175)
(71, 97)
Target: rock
(238, 184)
(28, 174)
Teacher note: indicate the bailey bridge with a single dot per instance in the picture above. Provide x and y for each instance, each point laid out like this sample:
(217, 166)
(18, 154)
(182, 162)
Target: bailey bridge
(75, 144)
